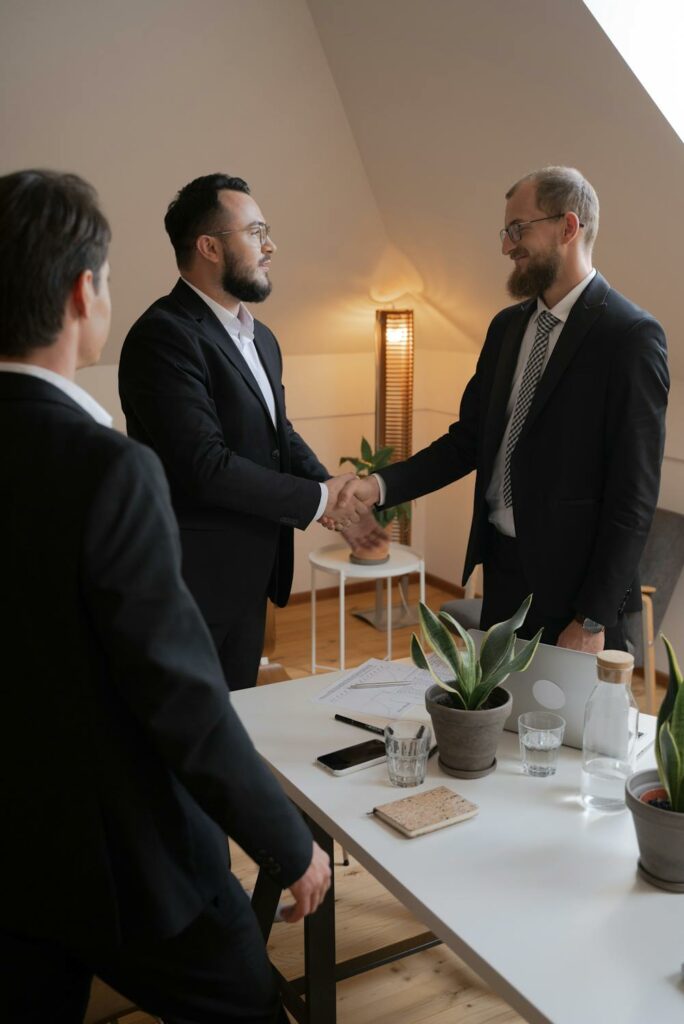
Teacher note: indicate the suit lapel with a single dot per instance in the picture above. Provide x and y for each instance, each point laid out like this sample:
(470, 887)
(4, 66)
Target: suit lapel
(583, 315)
(495, 420)
(266, 351)
(216, 332)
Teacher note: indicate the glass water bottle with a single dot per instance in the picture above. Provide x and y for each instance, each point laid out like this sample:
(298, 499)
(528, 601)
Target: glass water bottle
(611, 722)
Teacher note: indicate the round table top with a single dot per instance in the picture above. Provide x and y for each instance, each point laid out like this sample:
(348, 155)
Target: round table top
(335, 558)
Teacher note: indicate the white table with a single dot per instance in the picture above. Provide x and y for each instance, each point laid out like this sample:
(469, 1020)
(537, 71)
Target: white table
(539, 896)
(334, 559)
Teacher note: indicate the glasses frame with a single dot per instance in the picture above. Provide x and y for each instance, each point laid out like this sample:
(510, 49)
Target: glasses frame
(515, 231)
(263, 229)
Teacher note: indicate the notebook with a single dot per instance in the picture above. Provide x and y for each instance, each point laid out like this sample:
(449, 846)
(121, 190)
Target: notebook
(426, 812)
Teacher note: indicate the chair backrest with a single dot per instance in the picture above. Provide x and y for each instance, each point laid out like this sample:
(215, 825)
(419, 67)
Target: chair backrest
(660, 567)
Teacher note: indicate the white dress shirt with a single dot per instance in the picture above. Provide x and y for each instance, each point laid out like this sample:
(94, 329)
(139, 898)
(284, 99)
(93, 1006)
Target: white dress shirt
(500, 516)
(76, 393)
(240, 330)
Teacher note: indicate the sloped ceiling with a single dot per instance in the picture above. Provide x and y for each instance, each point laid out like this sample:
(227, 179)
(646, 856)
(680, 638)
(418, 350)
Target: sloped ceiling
(451, 101)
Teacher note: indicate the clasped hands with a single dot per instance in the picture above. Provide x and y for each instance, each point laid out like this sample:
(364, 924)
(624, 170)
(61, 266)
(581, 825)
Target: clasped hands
(350, 499)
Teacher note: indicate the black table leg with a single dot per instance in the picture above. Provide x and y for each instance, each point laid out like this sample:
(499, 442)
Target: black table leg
(319, 947)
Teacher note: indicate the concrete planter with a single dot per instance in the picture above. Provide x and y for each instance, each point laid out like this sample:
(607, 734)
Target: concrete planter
(660, 835)
(467, 740)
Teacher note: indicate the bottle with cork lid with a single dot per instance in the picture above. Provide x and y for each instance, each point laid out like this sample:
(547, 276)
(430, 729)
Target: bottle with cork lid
(611, 725)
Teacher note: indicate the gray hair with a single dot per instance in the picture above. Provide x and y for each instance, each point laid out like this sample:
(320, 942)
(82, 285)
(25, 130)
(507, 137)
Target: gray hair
(565, 190)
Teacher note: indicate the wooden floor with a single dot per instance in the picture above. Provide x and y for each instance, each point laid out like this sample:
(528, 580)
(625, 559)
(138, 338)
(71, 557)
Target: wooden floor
(434, 987)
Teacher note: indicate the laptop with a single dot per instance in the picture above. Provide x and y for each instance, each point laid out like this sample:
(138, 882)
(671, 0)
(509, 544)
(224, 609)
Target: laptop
(558, 680)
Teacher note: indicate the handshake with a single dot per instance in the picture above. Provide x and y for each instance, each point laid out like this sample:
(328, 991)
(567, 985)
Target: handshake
(350, 499)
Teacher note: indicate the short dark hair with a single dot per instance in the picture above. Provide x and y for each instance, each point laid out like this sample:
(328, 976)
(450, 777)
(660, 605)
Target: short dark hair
(51, 230)
(194, 211)
(565, 189)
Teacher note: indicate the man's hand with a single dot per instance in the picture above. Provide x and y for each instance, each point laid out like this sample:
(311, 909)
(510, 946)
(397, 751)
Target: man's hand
(365, 489)
(309, 890)
(578, 639)
(336, 516)
(366, 534)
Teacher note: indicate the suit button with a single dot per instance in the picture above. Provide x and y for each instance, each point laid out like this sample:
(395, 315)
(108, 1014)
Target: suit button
(275, 455)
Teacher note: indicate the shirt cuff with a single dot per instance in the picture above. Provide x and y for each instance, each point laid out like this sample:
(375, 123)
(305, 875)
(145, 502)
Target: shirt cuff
(323, 502)
(382, 486)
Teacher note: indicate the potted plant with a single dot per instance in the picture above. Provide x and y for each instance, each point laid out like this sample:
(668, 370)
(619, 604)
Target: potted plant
(468, 709)
(370, 462)
(656, 796)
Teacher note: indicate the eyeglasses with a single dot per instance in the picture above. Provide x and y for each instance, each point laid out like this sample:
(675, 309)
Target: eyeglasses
(257, 230)
(515, 231)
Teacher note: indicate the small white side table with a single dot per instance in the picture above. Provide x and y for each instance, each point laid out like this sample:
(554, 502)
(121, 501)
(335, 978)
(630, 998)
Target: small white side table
(335, 559)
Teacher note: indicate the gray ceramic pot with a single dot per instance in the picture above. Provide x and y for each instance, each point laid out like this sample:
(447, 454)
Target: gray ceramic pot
(660, 835)
(467, 740)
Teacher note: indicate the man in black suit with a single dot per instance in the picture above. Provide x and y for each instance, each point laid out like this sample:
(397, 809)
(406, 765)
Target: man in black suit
(123, 762)
(564, 424)
(201, 383)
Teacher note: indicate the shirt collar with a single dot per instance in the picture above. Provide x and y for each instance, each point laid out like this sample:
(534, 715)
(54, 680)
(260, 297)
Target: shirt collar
(69, 387)
(562, 309)
(241, 325)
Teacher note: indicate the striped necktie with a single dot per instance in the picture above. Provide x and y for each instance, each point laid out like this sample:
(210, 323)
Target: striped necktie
(533, 369)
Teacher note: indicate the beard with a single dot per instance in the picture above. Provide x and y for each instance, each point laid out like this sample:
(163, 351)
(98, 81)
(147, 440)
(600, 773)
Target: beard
(539, 274)
(237, 282)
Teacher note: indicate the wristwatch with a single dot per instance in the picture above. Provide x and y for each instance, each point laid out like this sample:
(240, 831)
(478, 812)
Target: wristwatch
(589, 625)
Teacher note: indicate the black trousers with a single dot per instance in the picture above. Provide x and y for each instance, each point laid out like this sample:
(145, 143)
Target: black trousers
(506, 587)
(240, 643)
(215, 972)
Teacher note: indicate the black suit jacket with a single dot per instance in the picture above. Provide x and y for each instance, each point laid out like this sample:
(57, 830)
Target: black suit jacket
(586, 469)
(123, 763)
(238, 483)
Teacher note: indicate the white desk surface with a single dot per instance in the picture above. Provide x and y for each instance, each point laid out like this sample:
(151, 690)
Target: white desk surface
(538, 895)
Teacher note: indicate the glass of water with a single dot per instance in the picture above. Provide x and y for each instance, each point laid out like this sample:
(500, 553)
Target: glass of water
(407, 745)
(541, 735)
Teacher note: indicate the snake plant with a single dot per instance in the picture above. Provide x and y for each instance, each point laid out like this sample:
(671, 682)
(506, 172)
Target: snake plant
(474, 677)
(669, 748)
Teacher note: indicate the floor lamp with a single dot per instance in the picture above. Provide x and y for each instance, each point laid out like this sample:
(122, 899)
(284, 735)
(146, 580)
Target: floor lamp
(394, 427)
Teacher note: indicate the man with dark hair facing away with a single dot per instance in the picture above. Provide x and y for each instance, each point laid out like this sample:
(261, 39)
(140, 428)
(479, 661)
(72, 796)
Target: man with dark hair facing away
(123, 762)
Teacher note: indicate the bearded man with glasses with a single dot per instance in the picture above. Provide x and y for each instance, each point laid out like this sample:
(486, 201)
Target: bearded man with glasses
(564, 424)
(200, 384)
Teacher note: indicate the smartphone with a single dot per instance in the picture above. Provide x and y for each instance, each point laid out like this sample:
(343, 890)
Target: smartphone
(352, 759)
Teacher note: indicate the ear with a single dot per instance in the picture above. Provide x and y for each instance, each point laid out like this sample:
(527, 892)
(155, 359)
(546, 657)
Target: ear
(82, 295)
(571, 227)
(208, 247)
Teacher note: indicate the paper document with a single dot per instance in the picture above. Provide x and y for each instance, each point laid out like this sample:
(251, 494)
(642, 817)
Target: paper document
(356, 691)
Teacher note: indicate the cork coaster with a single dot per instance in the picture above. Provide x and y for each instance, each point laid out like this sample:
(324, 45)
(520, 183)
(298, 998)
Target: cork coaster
(426, 812)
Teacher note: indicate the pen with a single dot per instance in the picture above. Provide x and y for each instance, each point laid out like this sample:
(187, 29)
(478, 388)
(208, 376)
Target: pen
(360, 725)
(373, 686)
(433, 750)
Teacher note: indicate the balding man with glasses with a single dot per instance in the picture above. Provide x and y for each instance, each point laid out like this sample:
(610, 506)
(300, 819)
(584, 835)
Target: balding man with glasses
(200, 383)
(564, 424)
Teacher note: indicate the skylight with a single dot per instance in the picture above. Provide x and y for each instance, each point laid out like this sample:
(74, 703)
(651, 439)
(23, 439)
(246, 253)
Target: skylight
(648, 34)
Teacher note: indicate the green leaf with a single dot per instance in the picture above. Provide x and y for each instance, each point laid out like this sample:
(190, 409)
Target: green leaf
(467, 658)
(358, 465)
(668, 703)
(383, 456)
(420, 661)
(673, 767)
(519, 663)
(483, 690)
(440, 640)
(366, 450)
(497, 639)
